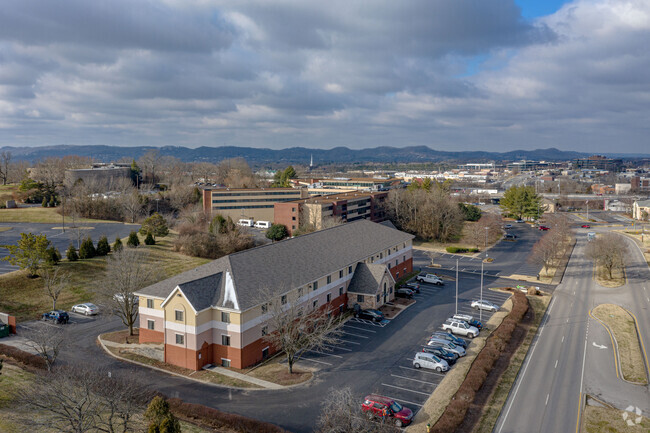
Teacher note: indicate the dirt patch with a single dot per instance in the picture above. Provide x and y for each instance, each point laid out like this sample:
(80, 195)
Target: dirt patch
(123, 337)
(279, 373)
(622, 326)
(617, 280)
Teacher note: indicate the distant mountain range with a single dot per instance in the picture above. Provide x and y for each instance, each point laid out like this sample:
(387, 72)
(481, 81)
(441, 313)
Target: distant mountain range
(294, 155)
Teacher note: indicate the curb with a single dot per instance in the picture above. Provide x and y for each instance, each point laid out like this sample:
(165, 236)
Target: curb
(638, 336)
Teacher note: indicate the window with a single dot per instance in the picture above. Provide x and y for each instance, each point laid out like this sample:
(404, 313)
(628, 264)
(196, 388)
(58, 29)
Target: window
(178, 315)
(329, 279)
(391, 289)
(389, 266)
(359, 298)
(315, 285)
(293, 218)
(225, 340)
(151, 324)
(329, 297)
(265, 308)
(349, 269)
(293, 209)
(341, 274)
(377, 298)
(149, 303)
(396, 262)
(293, 227)
(225, 317)
(180, 339)
(225, 362)
(315, 303)
(265, 330)
(384, 287)
(381, 255)
(299, 292)
(283, 299)
(340, 291)
(403, 258)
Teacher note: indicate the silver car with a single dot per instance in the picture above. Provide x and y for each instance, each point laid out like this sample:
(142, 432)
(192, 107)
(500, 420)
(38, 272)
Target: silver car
(448, 345)
(429, 360)
(86, 308)
(484, 305)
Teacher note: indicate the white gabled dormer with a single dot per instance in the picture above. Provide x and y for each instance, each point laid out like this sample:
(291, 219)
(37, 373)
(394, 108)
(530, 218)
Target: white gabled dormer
(229, 293)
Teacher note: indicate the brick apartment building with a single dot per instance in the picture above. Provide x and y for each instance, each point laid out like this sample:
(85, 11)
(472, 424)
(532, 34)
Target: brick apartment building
(213, 314)
(348, 207)
(255, 203)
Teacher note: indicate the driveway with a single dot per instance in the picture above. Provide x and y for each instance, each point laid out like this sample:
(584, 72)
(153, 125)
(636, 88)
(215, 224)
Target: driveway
(58, 237)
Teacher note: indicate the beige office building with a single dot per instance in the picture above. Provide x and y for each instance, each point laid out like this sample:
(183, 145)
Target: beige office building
(245, 203)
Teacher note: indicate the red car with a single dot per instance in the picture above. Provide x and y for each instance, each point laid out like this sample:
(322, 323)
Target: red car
(586, 226)
(374, 405)
(544, 228)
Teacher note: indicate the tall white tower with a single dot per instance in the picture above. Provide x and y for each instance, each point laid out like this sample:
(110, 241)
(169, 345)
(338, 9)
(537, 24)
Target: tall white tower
(311, 162)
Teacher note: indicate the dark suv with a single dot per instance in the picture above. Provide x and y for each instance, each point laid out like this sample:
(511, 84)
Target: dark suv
(404, 292)
(373, 407)
(450, 337)
(374, 315)
(440, 352)
(58, 316)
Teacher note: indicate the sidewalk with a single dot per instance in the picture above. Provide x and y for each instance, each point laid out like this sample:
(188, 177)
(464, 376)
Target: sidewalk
(243, 377)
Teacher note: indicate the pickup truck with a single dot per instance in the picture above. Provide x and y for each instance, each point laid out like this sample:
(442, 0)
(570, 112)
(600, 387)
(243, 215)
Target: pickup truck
(460, 327)
(430, 278)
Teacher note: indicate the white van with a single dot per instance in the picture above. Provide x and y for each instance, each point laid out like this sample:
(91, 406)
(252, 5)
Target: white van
(263, 224)
(431, 361)
(246, 222)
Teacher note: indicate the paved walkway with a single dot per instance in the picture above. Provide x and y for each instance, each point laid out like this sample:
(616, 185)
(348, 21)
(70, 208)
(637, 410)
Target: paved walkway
(244, 377)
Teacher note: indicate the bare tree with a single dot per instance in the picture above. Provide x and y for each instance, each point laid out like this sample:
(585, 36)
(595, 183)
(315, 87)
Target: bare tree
(127, 270)
(544, 252)
(84, 399)
(205, 172)
(341, 413)
(46, 340)
(608, 250)
(295, 327)
(54, 282)
(149, 163)
(132, 204)
(5, 159)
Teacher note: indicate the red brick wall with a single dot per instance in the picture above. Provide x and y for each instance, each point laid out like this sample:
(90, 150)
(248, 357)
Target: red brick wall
(403, 269)
(207, 201)
(181, 356)
(282, 214)
(151, 336)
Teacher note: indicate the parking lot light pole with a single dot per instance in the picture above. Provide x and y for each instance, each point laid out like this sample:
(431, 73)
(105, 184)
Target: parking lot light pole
(480, 310)
(487, 229)
(456, 286)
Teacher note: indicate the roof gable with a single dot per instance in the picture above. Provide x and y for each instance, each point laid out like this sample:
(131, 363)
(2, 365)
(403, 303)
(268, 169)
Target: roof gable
(367, 278)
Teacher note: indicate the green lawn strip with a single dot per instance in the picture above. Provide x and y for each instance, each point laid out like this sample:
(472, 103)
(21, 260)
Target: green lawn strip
(495, 403)
(38, 214)
(604, 419)
(25, 298)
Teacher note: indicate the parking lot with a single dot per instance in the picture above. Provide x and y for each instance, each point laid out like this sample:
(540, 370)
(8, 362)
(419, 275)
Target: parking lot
(395, 375)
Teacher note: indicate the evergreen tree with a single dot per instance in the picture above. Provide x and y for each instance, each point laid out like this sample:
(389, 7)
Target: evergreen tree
(52, 202)
(149, 240)
(156, 225)
(117, 245)
(103, 248)
(71, 253)
(87, 249)
(52, 256)
(44, 204)
(161, 419)
(133, 240)
(277, 232)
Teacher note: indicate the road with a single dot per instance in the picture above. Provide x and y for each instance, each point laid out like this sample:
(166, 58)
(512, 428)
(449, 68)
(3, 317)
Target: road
(566, 360)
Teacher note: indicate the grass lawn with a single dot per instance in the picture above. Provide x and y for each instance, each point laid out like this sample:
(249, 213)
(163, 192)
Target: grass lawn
(629, 350)
(604, 419)
(39, 214)
(461, 243)
(274, 371)
(25, 298)
(499, 396)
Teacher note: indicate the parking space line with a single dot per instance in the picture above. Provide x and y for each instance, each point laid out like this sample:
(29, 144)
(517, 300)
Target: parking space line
(430, 372)
(338, 347)
(414, 380)
(324, 353)
(355, 335)
(360, 329)
(404, 401)
(406, 389)
(348, 341)
(313, 360)
(421, 371)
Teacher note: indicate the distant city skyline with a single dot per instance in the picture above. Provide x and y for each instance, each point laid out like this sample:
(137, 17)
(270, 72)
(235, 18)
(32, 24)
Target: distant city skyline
(464, 75)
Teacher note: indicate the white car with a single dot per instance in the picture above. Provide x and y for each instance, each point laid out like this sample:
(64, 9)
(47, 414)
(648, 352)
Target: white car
(484, 305)
(429, 278)
(460, 327)
(429, 360)
(86, 308)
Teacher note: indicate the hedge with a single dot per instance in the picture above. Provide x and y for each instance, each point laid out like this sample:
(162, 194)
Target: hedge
(455, 412)
(461, 250)
(22, 356)
(214, 418)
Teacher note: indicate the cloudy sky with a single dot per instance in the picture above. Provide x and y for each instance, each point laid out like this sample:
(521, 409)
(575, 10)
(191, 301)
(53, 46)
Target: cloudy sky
(450, 74)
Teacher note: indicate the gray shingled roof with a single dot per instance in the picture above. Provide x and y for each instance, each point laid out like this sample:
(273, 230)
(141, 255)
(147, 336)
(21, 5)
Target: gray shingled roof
(288, 264)
(366, 278)
(204, 292)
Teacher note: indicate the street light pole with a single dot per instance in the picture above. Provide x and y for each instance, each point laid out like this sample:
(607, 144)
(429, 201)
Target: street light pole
(487, 229)
(456, 286)
(480, 310)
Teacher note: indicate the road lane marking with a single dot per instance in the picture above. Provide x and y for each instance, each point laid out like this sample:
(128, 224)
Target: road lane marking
(556, 363)
(547, 396)
(563, 339)
(582, 377)
(406, 389)
(414, 380)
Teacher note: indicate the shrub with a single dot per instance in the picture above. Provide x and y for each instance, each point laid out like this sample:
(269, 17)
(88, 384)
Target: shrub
(71, 253)
(149, 240)
(52, 256)
(52, 202)
(117, 245)
(22, 356)
(103, 248)
(160, 417)
(44, 203)
(133, 240)
(456, 250)
(87, 249)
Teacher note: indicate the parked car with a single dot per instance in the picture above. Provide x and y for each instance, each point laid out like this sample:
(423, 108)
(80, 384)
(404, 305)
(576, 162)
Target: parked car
(507, 226)
(413, 286)
(431, 361)
(120, 298)
(484, 305)
(469, 319)
(585, 226)
(404, 292)
(509, 236)
(442, 353)
(86, 308)
(519, 221)
(430, 278)
(460, 327)
(373, 407)
(447, 345)
(58, 316)
(449, 337)
(544, 228)
(370, 314)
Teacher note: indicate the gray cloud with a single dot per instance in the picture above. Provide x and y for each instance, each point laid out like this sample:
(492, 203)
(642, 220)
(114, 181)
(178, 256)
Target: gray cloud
(324, 74)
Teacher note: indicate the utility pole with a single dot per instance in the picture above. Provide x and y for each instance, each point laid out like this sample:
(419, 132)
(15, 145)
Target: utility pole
(480, 310)
(457, 281)
(486, 237)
